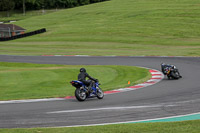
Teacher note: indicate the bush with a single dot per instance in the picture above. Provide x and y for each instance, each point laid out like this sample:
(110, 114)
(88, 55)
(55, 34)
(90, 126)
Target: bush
(49, 4)
(84, 2)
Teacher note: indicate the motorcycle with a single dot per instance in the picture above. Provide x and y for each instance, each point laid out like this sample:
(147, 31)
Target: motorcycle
(82, 92)
(171, 72)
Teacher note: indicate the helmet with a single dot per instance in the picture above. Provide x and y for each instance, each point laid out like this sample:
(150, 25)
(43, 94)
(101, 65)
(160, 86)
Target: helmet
(82, 70)
(174, 67)
(162, 64)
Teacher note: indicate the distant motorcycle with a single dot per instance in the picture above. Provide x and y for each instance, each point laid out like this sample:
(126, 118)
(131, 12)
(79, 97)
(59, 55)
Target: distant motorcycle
(82, 92)
(171, 71)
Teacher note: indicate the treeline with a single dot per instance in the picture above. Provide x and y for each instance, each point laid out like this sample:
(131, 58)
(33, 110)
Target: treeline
(7, 5)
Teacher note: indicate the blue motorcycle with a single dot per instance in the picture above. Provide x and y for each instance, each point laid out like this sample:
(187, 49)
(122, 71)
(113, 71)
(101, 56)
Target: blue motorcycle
(82, 92)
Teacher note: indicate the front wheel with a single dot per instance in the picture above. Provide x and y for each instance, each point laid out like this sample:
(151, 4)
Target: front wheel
(80, 94)
(100, 93)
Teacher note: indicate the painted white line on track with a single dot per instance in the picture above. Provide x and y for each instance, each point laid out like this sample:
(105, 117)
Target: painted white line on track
(151, 80)
(156, 76)
(102, 124)
(127, 107)
(108, 108)
(31, 100)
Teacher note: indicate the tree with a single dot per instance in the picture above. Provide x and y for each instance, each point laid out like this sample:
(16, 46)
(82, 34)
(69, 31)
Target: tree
(23, 3)
(84, 2)
(7, 5)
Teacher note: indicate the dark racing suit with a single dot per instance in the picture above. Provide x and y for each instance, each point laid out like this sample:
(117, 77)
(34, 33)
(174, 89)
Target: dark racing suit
(90, 82)
(164, 68)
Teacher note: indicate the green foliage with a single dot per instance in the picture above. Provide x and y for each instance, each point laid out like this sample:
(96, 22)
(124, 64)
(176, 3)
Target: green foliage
(84, 2)
(95, 1)
(48, 4)
(7, 5)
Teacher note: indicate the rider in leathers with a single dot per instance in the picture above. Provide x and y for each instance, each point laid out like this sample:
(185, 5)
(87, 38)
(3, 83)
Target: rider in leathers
(82, 77)
(163, 66)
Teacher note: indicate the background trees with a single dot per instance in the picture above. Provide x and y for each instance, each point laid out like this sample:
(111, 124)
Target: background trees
(23, 5)
(7, 5)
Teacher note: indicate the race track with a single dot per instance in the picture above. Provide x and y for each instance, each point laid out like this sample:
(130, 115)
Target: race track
(164, 99)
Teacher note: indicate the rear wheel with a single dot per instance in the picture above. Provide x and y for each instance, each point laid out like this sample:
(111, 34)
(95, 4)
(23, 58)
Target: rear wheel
(100, 93)
(80, 94)
(175, 75)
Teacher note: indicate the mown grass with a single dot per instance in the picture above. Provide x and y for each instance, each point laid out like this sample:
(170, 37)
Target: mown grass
(116, 27)
(26, 81)
(166, 127)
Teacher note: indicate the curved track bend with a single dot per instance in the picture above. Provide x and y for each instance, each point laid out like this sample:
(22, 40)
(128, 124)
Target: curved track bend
(165, 99)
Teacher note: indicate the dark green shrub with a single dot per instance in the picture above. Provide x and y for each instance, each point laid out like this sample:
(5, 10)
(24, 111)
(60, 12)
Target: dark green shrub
(49, 4)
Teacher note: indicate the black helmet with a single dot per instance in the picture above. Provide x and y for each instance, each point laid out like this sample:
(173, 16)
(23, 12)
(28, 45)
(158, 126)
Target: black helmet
(82, 70)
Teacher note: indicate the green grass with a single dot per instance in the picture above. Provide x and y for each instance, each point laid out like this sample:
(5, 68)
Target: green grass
(116, 27)
(167, 127)
(25, 81)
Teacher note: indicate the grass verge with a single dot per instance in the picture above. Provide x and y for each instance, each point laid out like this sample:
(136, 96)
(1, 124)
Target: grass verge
(162, 127)
(30, 81)
(116, 27)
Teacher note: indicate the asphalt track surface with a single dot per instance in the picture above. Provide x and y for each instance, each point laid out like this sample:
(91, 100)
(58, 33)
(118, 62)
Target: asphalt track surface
(164, 99)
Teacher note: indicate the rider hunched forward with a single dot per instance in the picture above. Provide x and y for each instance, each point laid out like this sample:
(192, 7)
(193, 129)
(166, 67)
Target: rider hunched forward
(171, 71)
(82, 77)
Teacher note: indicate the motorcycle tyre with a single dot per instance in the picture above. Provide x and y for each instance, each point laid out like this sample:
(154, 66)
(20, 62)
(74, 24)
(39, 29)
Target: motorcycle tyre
(77, 95)
(175, 75)
(101, 95)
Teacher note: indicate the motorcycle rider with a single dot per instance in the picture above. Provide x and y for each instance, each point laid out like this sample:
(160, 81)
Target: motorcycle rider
(164, 66)
(82, 77)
